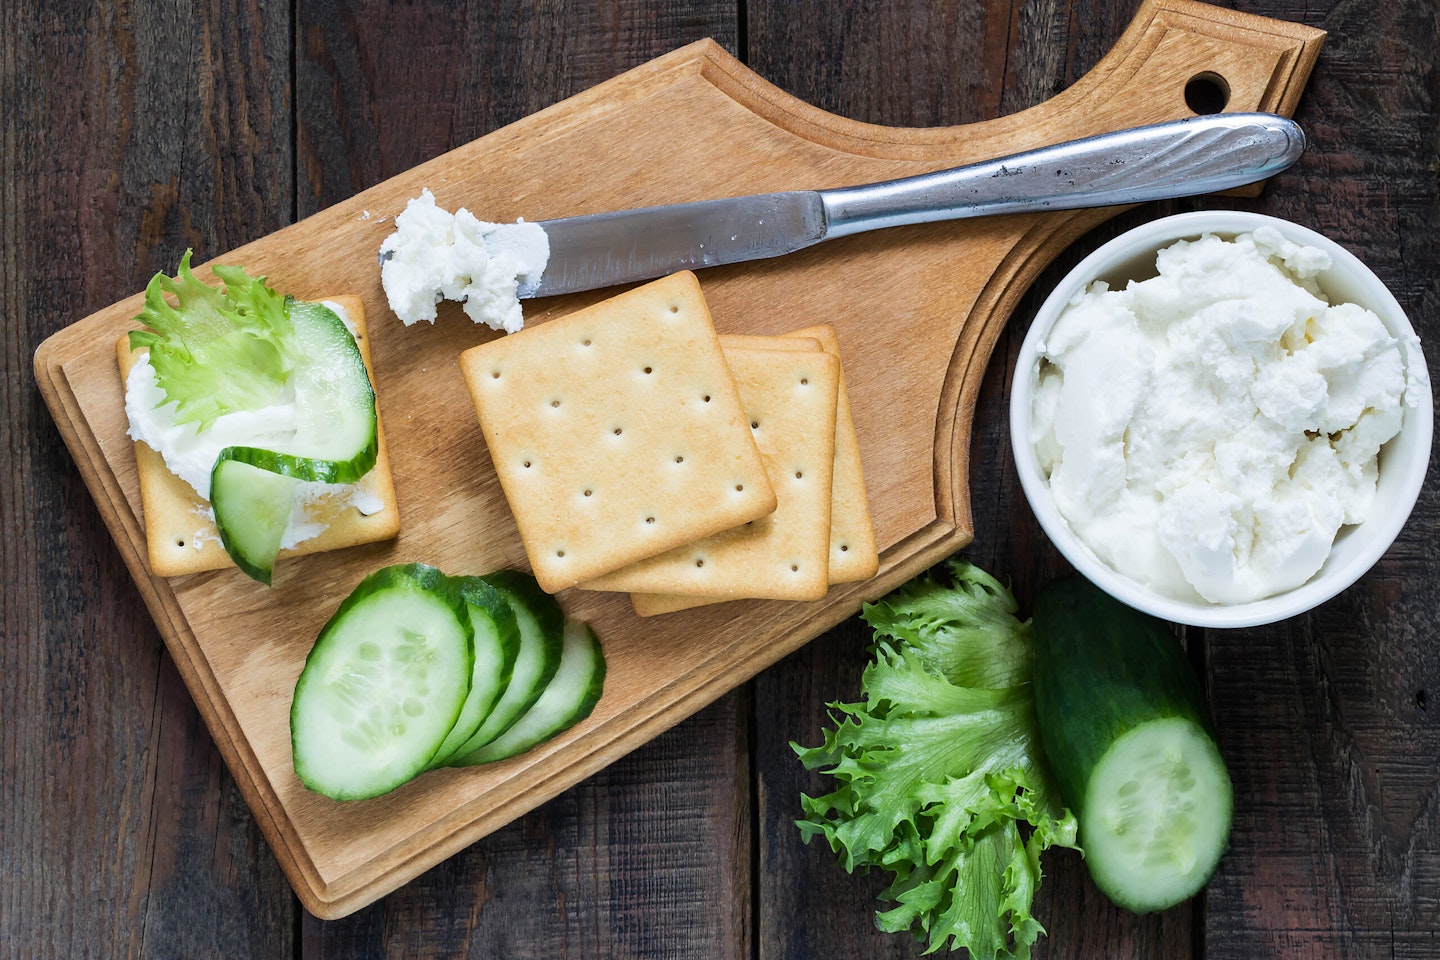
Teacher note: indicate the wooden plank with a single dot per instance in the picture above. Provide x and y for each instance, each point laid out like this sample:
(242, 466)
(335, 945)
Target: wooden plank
(650, 857)
(127, 135)
(1329, 721)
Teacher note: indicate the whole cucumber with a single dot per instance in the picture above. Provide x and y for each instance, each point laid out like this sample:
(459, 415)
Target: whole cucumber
(1124, 725)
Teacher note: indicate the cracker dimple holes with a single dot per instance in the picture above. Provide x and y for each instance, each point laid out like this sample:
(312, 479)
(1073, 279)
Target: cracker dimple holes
(494, 373)
(617, 431)
(679, 458)
(794, 568)
(649, 520)
(844, 548)
(588, 492)
(647, 370)
(799, 474)
(699, 561)
(555, 403)
(754, 424)
(674, 308)
(804, 381)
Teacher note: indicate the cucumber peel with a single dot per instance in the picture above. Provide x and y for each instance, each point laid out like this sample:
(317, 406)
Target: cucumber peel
(246, 348)
(414, 662)
(252, 510)
(497, 645)
(542, 628)
(1127, 733)
(383, 684)
(567, 699)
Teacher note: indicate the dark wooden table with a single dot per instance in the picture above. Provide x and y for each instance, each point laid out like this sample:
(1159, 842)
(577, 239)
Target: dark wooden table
(134, 130)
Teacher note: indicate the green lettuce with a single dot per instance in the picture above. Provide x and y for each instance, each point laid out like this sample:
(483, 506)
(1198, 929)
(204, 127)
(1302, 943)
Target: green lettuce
(216, 352)
(941, 779)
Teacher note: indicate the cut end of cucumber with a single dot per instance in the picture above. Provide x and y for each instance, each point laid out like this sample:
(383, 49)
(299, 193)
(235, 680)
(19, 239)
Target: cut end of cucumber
(252, 509)
(383, 685)
(1156, 815)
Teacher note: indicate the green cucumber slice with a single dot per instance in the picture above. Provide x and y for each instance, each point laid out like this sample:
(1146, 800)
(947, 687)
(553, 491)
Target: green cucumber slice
(568, 698)
(337, 442)
(542, 629)
(1157, 815)
(252, 509)
(497, 644)
(1124, 724)
(383, 685)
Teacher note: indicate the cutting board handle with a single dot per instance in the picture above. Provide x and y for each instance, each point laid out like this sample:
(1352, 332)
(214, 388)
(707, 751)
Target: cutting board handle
(1177, 58)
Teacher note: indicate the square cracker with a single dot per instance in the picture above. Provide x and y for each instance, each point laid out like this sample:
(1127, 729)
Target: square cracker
(180, 533)
(790, 398)
(617, 432)
(853, 554)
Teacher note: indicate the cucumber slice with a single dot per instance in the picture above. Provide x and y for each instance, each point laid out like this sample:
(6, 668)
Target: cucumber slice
(383, 685)
(252, 510)
(336, 442)
(1157, 815)
(1124, 724)
(569, 697)
(542, 629)
(497, 644)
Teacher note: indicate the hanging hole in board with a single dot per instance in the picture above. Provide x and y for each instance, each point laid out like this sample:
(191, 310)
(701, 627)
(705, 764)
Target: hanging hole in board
(1207, 93)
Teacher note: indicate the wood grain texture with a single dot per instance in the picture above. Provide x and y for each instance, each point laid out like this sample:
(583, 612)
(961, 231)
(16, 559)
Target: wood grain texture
(121, 834)
(649, 857)
(945, 290)
(985, 67)
(128, 135)
(1328, 720)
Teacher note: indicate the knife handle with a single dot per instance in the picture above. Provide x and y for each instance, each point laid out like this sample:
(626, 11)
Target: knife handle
(1175, 159)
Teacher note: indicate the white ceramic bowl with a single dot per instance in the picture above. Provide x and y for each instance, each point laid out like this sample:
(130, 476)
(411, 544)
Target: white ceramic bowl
(1403, 460)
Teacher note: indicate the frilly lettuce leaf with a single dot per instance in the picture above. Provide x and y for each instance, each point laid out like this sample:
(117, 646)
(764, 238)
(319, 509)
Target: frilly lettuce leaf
(939, 766)
(216, 352)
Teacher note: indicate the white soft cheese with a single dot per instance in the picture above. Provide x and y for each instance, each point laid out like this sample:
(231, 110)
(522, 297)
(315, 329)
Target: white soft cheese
(190, 453)
(1208, 431)
(435, 255)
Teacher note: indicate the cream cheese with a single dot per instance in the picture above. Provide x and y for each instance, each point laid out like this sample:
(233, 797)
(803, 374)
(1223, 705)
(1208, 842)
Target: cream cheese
(190, 453)
(1210, 430)
(435, 255)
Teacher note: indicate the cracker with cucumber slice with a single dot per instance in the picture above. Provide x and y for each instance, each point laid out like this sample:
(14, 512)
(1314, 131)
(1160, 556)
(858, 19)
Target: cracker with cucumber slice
(180, 531)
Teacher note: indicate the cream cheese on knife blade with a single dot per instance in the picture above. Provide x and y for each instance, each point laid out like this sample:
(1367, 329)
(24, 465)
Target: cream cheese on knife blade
(436, 255)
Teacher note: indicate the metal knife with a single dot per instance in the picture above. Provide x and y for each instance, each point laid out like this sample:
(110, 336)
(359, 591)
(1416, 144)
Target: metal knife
(1165, 160)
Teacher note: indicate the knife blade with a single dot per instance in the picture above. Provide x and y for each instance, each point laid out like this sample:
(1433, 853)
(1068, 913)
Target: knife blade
(1160, 161)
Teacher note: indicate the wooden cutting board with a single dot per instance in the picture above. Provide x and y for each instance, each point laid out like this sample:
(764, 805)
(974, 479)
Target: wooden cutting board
(917, 310)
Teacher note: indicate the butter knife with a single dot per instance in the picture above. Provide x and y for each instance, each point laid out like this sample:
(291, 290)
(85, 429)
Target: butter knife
(1175, 159)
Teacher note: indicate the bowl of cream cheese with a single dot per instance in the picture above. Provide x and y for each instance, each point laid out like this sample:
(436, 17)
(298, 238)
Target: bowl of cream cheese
(1221, 418)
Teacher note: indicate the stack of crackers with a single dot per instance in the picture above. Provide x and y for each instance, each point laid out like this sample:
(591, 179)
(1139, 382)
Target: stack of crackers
(642, 452)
